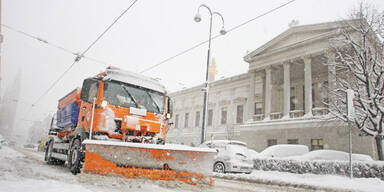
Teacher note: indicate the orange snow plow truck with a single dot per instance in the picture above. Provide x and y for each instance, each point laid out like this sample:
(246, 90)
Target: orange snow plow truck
(117, 124)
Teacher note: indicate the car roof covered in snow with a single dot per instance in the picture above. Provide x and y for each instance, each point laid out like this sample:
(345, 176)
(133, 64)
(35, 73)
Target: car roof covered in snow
(224, 142)
(326, 154)
(284, 150)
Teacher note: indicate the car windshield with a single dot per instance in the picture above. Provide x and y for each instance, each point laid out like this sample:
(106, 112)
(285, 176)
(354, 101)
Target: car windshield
(122, 94)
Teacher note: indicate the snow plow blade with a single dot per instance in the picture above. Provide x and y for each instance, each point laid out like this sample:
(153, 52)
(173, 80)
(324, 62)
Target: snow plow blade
(168, 162)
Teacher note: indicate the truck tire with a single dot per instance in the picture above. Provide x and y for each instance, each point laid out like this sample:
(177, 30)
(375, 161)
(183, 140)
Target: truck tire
(48, 155)
(74, 157)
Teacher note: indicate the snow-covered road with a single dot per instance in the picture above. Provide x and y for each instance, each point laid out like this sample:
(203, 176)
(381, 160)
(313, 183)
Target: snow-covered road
(24, 170)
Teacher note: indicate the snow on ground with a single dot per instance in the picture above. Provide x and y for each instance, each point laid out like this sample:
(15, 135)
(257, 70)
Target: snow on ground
(20, 173)
(310, 181)
(22, 170)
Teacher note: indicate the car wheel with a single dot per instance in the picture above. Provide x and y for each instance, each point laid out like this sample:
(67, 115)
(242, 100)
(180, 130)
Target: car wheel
(74, 157)
(219, 167)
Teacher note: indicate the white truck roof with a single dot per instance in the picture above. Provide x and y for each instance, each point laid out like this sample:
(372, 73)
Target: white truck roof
(134, 79)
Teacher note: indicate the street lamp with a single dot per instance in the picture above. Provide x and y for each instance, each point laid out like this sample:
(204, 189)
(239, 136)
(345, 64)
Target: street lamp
(197, 18)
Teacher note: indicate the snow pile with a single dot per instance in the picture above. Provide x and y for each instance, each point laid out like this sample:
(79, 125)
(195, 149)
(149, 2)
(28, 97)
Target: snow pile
(284, 150)
(331, 155)
(309, 181)
(18, 174)
(2, 141)
(253, 154)
(367, 169)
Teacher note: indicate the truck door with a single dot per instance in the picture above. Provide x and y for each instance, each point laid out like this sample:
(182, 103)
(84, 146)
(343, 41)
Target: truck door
(89, 91)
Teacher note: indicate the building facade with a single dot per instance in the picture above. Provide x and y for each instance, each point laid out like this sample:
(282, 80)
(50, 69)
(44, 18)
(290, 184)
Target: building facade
(280, 100)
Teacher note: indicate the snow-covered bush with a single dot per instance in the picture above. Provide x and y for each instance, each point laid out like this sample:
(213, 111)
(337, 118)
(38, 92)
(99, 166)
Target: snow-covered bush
(322, 167)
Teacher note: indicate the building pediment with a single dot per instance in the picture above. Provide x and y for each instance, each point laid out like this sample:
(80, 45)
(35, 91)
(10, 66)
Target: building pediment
(295, 37)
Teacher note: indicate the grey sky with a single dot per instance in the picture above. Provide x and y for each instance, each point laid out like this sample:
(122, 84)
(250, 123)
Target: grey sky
(149, 33)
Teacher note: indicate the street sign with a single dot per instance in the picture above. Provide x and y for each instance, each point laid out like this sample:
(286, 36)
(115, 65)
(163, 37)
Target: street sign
(350, 106)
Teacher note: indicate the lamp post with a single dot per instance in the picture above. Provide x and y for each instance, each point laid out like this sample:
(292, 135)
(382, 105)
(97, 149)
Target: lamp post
(197, 18)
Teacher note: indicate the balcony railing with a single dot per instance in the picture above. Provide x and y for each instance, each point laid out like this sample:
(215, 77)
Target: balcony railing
(258, 117)
(319, 111)
(296, 113)
(276, 115)
(292, 114)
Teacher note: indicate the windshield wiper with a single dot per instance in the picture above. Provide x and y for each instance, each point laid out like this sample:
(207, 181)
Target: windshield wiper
(157, 106)
(129, 94)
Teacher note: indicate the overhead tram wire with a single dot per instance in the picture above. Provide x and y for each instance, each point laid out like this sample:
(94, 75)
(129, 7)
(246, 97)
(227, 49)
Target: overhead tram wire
(42, 40)
(216, 36)
(78, 57)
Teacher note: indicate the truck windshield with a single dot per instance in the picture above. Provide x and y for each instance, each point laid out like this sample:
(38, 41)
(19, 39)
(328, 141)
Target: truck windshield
(122, 94)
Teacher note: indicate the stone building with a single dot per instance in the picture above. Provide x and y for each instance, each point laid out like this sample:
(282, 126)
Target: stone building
(280, 100)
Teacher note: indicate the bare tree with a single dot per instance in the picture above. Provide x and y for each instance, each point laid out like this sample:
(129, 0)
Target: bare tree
(359, 65)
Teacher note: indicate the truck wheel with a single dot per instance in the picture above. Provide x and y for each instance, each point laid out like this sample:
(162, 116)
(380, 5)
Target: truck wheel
(219, 167)
(48, 155)
(74, 157)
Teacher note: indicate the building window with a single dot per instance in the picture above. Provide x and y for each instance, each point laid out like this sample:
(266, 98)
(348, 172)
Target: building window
(258, 108)
(317, 144)
(239, 114)
(271, 142)
(197, 119)
(303, 97)
(293, 100)
(186, 120)
(324, 92)
(210, 117)
(223, 116)
(313, 95)
(293, 141)
(177, 121)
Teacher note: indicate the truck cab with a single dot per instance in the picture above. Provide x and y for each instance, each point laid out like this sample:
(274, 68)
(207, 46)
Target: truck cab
(128, 106)
(115, 105)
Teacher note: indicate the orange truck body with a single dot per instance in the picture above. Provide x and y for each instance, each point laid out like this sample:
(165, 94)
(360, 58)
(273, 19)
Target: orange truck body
(150, 124)
(119, 125)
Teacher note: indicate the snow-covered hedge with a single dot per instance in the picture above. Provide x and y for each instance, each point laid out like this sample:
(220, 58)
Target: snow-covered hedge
(360, 169)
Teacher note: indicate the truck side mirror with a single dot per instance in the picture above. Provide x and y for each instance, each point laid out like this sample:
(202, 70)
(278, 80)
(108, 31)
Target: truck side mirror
(89, 90)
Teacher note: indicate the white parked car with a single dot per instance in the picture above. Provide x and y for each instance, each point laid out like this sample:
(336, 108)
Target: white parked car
(284, 150)
(232, 157)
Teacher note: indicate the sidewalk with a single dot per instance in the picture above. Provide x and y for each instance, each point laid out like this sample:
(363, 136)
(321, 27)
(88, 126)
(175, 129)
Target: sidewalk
(309, 181)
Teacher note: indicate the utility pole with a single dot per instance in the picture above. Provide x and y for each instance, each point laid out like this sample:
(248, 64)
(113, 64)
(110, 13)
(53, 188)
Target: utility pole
(1, 41)
(197, 18)
(350, 117)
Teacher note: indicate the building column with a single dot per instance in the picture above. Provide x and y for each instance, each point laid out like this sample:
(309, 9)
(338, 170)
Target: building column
(331, 75)
(287, 90)
(268, 93)
(308, 86)
(251, 95)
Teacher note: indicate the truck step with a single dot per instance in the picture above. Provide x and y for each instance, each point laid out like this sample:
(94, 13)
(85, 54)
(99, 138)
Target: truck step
(61, 146)
(59, 156)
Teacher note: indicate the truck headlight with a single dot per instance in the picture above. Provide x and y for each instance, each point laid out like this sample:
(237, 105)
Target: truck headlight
(104, 104)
